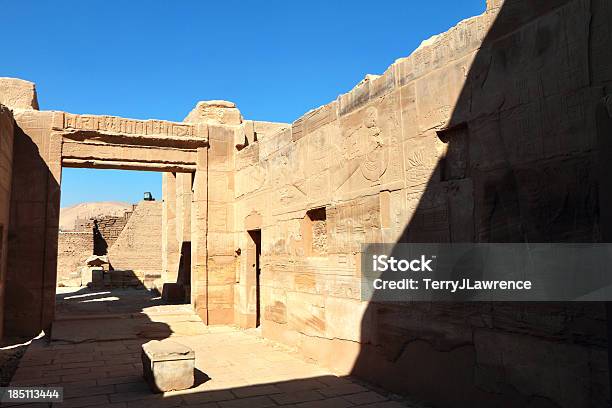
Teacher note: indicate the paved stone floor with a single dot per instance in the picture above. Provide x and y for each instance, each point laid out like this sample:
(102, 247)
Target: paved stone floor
(94, 353)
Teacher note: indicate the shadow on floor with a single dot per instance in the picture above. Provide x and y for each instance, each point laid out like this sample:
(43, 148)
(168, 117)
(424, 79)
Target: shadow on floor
(95, 355)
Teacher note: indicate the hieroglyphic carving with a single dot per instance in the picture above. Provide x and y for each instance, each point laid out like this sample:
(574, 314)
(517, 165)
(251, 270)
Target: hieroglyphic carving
(115, 124)
(366, 140)
(421, 161)
(217, 216)
(353, 224)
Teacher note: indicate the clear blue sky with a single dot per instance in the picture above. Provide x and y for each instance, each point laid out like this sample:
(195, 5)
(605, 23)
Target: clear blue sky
(156, 59)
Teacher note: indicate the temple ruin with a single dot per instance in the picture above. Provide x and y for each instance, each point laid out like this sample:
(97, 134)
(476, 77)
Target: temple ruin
(494, 131)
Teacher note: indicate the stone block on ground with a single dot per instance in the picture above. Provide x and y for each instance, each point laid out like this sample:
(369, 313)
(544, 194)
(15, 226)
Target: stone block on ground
(167, 365)
(97, 276)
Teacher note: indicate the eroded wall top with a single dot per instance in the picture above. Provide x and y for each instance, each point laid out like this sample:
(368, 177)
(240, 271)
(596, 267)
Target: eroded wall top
(18, 94)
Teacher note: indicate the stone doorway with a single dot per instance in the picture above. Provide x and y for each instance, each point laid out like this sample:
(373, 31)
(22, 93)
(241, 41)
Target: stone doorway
(110, 233)
(254, 272)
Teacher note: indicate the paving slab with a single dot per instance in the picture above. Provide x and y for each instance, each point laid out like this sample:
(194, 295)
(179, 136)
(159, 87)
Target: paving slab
(233, 367)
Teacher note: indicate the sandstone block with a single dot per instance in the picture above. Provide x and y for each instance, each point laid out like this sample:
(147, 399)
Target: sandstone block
(216, 112)
(167, 365)
(18, 94)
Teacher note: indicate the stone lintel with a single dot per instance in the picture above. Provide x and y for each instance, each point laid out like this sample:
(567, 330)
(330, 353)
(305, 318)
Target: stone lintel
(151, 131)
(127, 165)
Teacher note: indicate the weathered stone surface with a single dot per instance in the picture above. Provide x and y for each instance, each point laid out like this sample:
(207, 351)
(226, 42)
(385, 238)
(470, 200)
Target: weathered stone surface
(168, 365)
(137, 251)
(18, 94)
(215, 112)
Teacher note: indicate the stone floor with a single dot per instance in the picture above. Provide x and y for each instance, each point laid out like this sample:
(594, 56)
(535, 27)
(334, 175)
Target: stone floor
(94, 353)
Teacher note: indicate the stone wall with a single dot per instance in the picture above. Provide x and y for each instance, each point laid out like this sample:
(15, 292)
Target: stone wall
(73, 250)
(486, 133)
(134, 249)
(6, 167)
(139, 246)
(110, 226)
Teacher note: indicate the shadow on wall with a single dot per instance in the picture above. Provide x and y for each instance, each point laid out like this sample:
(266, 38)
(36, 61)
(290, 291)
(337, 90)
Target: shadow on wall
(184, 272)
(180, 291)
(520, 166)
(32, 243)
(100, 244)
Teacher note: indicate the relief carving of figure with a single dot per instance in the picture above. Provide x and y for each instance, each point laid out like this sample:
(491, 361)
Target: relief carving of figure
(375, 162)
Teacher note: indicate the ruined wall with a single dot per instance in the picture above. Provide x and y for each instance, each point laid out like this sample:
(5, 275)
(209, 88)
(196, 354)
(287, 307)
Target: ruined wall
(485, 133)
(110, 226)
(73, 249)
(139, 246)
(6, 167)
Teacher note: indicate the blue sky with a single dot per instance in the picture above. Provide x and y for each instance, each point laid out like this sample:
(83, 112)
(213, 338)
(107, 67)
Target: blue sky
(156, 59)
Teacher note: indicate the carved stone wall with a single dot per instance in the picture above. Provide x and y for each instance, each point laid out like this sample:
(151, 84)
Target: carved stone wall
(485, 133)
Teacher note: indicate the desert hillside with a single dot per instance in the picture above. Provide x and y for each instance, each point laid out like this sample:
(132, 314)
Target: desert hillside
(68, 215)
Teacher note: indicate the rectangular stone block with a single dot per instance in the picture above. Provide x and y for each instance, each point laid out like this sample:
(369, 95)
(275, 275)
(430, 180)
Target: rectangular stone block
(167, 365)
(97, 276)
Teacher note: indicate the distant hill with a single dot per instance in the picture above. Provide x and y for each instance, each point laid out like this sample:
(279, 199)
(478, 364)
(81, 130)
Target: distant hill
(68, 215)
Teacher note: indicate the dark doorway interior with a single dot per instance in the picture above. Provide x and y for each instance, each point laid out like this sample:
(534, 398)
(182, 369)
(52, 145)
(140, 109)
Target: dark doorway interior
(255, 246)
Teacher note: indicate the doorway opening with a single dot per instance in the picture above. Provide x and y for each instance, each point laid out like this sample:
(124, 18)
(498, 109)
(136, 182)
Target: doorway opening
(254, 255)
(109, 253)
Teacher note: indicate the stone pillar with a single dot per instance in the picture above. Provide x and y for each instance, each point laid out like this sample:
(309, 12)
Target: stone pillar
(221, 246)
(170, 246)
(199, 225)
(212, 236)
